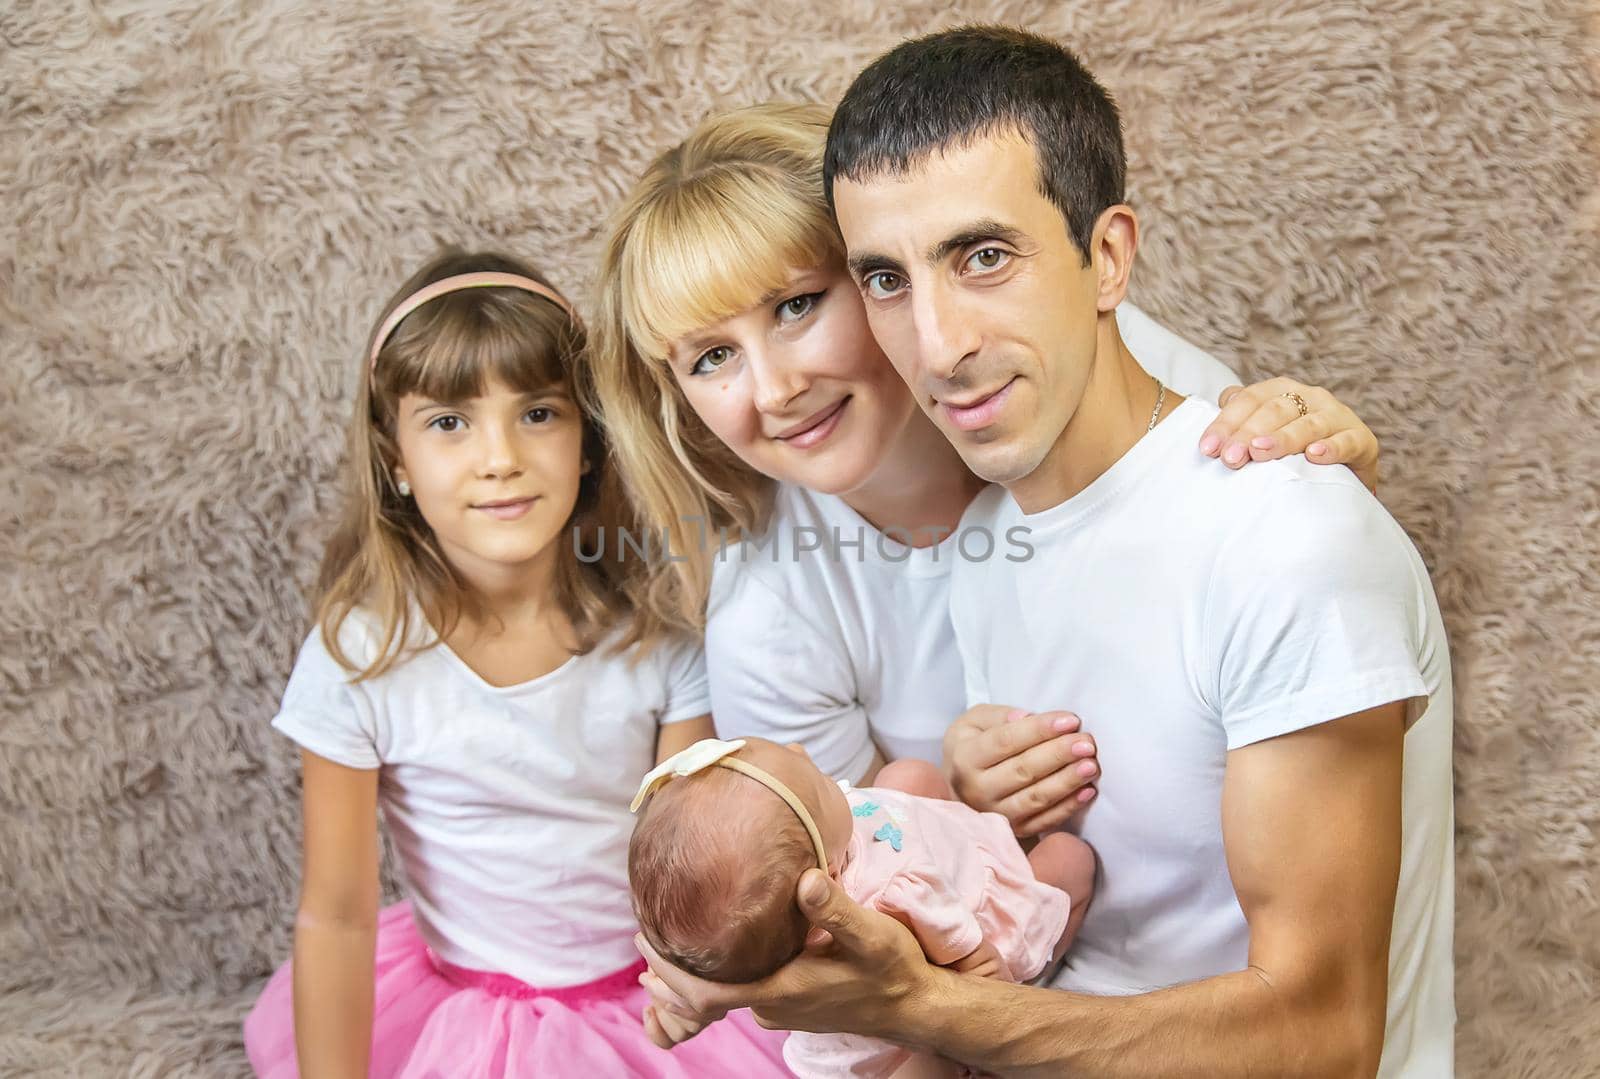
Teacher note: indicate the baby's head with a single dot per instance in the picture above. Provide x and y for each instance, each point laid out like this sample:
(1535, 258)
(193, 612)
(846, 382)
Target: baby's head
(716, 857)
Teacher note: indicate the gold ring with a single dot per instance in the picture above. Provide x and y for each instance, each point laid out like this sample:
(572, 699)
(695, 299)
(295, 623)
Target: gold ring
(1299, 402)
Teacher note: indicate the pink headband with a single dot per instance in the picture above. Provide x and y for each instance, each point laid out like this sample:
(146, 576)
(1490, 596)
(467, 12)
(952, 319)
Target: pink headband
(455, 284)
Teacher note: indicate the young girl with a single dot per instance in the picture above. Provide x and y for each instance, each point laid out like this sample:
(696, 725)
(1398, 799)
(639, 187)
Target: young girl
(730, 827)
(494, 694)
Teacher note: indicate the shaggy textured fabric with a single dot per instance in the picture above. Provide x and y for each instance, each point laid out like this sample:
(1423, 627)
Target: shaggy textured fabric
(205, 206)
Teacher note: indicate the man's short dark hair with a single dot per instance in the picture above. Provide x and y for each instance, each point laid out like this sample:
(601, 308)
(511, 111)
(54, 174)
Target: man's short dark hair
(955, 86)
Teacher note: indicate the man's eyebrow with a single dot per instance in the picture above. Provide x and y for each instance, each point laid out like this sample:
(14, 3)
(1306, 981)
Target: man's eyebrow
(869, 263)
(976, 232)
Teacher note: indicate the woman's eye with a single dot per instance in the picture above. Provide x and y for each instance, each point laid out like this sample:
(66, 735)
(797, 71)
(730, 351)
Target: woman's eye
(711, 359)
(988, 258)
(882, 285)
(541, 414)
(796, 308)
(447, 424)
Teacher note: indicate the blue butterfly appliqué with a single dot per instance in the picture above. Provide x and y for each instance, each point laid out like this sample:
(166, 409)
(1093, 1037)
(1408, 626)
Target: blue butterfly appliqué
(865, 809)
(889, 834)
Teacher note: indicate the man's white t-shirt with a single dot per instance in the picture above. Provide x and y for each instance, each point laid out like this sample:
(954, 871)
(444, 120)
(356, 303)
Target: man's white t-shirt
(508, 805)
(1184, 611)
(846, 644)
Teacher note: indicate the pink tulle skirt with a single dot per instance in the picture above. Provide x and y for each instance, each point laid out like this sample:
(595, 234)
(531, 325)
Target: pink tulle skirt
(435, 1021)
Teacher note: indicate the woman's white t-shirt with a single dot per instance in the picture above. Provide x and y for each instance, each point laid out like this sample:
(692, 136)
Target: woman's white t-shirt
(508, 805)
(830, 633)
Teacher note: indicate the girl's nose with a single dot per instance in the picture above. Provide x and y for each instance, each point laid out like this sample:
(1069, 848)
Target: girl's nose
(499, 454)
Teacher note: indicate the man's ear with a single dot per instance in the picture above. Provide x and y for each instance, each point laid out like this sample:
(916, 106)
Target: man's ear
(1111, 250)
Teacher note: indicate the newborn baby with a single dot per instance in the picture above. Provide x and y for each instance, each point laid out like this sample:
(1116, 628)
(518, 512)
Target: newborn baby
(731, 826)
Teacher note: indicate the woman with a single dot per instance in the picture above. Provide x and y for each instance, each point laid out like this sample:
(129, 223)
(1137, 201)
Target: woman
(747, 399)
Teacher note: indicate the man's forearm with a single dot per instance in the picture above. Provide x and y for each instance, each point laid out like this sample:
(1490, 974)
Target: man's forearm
(1234, 1024)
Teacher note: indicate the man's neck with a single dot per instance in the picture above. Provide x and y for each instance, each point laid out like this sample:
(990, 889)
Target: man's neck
(1112, 415)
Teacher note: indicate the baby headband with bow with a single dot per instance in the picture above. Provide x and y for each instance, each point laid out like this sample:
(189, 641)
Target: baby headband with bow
(447, 285)
(712, 752)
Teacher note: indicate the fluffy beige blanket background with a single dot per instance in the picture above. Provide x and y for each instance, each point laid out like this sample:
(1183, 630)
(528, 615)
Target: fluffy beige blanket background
(205, 204)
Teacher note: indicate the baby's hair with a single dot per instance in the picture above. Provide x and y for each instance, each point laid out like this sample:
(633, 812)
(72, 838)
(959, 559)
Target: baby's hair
(383, 556)
(713, 866)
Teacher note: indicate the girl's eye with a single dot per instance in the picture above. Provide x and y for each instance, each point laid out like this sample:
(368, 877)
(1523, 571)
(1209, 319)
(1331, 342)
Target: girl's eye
(447, 424)
(541, 414)
(989, 258)
(882, 284)
(711, 359)
(796, 308)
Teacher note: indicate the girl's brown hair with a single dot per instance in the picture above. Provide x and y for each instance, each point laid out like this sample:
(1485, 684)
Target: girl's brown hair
(383, 558)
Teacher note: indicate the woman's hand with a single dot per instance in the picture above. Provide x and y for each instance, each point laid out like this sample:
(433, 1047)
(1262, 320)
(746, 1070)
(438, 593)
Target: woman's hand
(1262, 422)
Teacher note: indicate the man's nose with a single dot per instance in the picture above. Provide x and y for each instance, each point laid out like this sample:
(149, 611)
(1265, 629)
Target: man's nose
(944, 336)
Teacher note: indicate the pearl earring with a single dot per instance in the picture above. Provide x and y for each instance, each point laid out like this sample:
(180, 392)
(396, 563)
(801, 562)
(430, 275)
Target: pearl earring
(404, 488)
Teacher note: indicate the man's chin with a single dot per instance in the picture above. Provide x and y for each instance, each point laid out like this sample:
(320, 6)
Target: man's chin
(997, 463)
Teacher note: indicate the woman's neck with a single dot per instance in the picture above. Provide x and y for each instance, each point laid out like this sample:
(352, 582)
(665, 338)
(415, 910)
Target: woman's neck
(922, 487)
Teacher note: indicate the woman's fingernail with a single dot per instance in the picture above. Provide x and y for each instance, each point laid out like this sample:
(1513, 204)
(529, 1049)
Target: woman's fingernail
(1016, 714)
(1262, 443)
(1086, 794)
(1317, 449)
(1083, 749)
(1209, 444)
(1065, 724)
(1234, 454)
(1087, 769)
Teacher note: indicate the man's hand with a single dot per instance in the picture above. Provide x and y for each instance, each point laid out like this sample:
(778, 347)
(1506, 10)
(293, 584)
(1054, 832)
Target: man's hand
(858, 968)
(1035, 770)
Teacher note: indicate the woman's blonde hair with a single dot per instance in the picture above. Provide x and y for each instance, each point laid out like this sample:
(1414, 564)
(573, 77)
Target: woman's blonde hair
(714, 225)
(383, 558)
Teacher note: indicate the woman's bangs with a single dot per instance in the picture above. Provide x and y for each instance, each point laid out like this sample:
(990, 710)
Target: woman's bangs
(705, 255)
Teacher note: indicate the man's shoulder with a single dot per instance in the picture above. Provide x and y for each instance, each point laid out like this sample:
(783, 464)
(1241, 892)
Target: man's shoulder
(1289, 504)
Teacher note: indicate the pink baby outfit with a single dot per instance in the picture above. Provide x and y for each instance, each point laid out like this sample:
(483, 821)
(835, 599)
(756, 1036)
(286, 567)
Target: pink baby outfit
(956, 877)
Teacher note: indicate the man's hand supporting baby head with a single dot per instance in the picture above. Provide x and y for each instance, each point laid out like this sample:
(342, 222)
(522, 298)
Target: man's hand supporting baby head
(858, 970)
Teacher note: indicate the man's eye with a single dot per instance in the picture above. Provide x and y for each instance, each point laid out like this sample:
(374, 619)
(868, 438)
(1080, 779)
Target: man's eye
(711, 359)
(883, 284)
(988, 258)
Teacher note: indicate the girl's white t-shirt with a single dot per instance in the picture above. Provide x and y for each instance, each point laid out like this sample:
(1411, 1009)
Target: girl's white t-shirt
(508, 805)
(830, 633)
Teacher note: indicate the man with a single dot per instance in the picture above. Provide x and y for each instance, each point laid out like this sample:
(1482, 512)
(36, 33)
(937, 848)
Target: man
(1260, 657)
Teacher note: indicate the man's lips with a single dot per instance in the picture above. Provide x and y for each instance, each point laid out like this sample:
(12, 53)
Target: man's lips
(506, 509)
(977, 412)
(816, 427)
